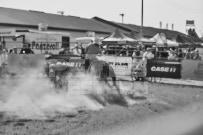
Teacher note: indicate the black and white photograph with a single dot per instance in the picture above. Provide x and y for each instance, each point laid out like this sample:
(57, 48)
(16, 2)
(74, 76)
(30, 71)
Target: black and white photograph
(101, 67)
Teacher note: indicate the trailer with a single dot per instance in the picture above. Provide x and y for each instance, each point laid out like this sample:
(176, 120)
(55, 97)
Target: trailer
(39, 41)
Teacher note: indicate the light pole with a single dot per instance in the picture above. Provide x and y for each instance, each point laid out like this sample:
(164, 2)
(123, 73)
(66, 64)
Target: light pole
(141, 30)
(122, 15)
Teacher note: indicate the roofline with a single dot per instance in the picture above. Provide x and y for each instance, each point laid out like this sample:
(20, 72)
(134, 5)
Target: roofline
(52, 28)
(112, 24)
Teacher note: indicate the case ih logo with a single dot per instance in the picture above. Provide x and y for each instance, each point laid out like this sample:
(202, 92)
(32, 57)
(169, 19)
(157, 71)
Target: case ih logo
(163, 69)
(69, 64)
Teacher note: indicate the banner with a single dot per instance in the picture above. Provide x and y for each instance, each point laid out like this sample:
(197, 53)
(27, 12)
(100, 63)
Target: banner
(190, 23)
(43, 41)
(192, 69)
(121, 65)
(164, 69)
(7, 32)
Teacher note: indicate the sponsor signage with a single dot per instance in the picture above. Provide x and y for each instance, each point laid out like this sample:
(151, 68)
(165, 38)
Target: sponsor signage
(121, 65)
(44, 46)
(41, 41)
(7, 32)
(69, 64)
(62, 64)
(163, 69)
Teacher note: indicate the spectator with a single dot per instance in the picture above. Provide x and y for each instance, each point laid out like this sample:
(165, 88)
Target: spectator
(180, 53)
(14, 50)
(193, 51)
(26, 50)
(172, 55)
(78, 50)
(138, 52)
(148, 54)
(196, 55)
(188, 54)
(164, 53)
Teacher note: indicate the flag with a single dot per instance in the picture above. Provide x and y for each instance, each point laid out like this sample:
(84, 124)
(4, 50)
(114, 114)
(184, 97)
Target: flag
(190, 23)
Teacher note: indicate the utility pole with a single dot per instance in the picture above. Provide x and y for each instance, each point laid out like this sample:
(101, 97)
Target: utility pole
(141, 30)
(122, 15)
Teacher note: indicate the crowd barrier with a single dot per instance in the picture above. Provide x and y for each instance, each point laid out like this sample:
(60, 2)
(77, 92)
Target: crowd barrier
(178, 69)
(182, 69)
(192, 69)
(163, 68)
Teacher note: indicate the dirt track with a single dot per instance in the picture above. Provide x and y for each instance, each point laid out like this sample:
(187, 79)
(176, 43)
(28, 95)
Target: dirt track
(162, 101)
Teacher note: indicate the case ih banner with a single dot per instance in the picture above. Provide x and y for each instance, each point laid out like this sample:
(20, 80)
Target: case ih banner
(164, 69)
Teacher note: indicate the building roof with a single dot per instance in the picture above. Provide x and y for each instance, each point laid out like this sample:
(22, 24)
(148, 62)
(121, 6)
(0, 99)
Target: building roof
(33, 18)
(148, 32)
(17, 17)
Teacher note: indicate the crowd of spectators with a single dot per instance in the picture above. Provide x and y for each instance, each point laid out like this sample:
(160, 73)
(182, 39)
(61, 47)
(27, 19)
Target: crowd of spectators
(167, 53)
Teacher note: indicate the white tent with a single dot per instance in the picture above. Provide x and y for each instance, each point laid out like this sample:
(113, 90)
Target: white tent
(162, 41)
(118, 37)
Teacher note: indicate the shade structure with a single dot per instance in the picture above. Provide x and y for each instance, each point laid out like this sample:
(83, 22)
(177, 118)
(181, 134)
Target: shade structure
(162, 41)
(183, 39)
(117, 37)
(184, 42)
(171, 43)
(141, 40)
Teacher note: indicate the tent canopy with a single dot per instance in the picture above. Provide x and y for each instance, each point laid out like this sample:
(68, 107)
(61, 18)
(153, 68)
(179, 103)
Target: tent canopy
(145, 41)
(162, 41)
(117, 37)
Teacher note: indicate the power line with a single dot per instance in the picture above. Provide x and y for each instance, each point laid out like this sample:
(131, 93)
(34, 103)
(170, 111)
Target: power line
(180, 7)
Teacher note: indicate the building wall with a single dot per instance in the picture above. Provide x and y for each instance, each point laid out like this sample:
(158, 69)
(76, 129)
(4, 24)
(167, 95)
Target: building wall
(74, 34)
(10, 43)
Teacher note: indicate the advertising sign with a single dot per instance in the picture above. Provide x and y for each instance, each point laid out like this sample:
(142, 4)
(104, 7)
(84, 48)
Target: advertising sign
(7, 32)
(121, 65)
(40, 41)
(192, 69)
(163, 69)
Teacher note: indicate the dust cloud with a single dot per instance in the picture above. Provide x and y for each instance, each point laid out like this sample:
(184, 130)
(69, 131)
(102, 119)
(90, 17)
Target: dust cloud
(33, 95)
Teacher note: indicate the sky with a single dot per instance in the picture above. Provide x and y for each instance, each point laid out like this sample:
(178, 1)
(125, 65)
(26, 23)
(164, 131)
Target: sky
(155, 11)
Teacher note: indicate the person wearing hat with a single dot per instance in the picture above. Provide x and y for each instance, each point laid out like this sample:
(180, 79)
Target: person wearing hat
(26, 49)
(92, 51)
(76, 50)
(148, 54)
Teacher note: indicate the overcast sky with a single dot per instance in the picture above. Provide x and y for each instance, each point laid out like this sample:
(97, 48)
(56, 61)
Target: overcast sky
(167, 11)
